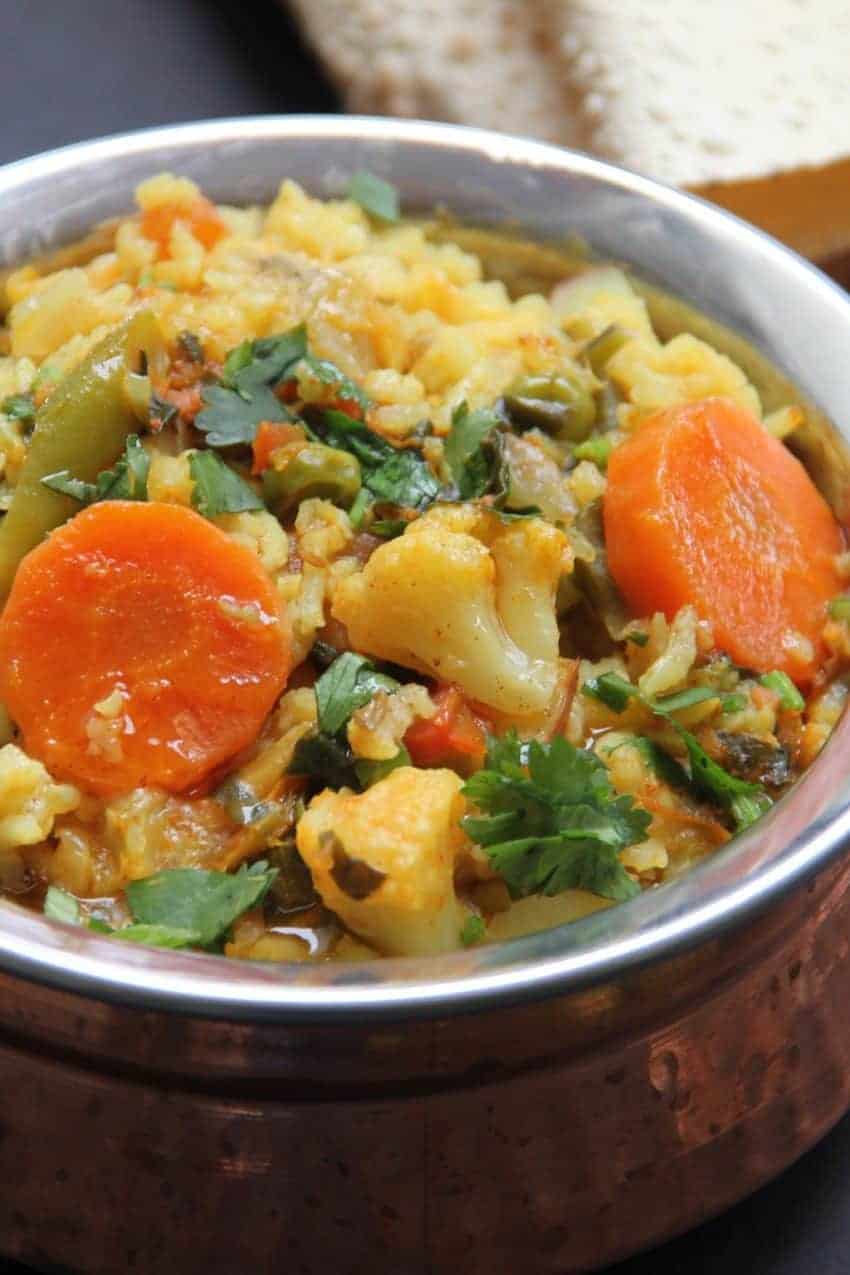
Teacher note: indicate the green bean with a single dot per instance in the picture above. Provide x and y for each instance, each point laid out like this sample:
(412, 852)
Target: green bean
(562, 405)
(315, 470)
(603, 348)
(82, 428)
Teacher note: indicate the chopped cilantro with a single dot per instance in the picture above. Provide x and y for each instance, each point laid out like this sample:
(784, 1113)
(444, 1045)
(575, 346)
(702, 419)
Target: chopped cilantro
(218, 489)
(375, 196)
(329, 374)
(394, 475)
(201, 903)
(347, 685)
(267, 361)
(706, 776)
(550, 821)
(127, 480)
(230, 417)
(234, 409)
(475, 454)
(637, 636)
(789, 696)
(839, 608)
(369, 772)
(325, 759)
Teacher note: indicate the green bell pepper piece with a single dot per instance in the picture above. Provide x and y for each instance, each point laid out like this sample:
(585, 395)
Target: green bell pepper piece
(82, 428)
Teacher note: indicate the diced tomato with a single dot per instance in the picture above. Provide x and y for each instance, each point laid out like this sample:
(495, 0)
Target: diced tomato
(201, 217)
(452, 737)
(270, 436)
(350, 406)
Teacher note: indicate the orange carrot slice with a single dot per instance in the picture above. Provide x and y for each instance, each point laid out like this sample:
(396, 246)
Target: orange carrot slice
(703, 506)
(155, 603)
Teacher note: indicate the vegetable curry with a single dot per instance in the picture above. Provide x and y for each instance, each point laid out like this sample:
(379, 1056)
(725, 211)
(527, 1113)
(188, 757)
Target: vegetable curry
(361, 602)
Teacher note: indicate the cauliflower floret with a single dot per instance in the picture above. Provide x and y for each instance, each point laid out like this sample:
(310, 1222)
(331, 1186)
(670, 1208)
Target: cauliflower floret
(384, 860)
(466, 599)
(30, 799)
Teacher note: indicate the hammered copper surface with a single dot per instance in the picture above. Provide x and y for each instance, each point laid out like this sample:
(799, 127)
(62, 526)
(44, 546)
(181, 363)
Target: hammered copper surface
(547, 1138)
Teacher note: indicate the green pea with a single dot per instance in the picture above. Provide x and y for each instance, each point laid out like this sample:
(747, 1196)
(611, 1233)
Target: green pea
(561, 404)
(314, 471)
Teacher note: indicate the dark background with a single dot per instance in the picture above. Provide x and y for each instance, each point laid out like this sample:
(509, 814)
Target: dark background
(73, 69)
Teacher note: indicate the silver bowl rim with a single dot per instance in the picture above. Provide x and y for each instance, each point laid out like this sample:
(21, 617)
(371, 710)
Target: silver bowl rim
(660, 924)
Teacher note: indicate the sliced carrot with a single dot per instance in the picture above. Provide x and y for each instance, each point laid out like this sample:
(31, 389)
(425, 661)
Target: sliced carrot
(270, 436)
(452, 737)
(156, 603)
(201, 217)
(704, 507)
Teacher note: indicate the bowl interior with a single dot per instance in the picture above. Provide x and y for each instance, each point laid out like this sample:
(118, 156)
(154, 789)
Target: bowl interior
(776, 314)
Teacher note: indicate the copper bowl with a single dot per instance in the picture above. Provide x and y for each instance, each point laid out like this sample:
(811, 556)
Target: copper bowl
(546, 1105)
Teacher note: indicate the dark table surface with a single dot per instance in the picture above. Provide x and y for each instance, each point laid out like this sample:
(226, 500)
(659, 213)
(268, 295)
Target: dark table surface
(73, 69)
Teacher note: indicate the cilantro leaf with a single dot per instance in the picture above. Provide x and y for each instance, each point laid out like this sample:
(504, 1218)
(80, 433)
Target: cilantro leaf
(375, 196)
(197, 901)
(234, 409)
(744, 801)
(267, 361)
(325, 759)
(396, 475)
(475, 455)
(218, 489)
(59, 905)
(19, 407)
(369, 772)
(347, 685)
(127, 480)
(740, 798)
(230, 417)
(550, 820)
(329, 374)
